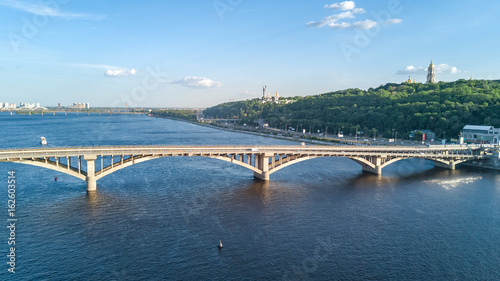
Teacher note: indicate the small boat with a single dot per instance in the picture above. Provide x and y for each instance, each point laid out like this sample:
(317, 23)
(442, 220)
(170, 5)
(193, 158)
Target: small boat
(220, 245)
(43, 141)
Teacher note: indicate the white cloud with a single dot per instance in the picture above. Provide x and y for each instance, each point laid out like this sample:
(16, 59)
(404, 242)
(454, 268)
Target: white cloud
(439, 69)
(350, 11)
(109, 70)
(366, 24)
(344, 6)
(444, 68)
(195, 82)
(339, 25)
(358, 11)
(120, 72)
(46, 10)
(393, 21)
(332, 21)
(410, 69)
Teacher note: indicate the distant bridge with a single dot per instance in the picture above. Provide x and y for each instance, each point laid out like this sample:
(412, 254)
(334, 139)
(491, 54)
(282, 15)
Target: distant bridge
(80, 162)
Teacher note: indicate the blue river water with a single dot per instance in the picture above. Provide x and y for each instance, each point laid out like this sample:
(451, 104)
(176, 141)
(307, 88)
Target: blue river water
(321, 219)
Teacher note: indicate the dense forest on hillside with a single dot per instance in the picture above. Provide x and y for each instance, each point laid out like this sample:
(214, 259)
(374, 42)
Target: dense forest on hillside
(175, 113)
(443, 107)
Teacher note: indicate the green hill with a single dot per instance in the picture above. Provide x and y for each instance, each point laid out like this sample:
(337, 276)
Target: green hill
(444, 107)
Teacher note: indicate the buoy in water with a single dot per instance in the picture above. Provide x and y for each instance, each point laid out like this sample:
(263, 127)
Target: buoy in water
(220, 245)
(55, 178)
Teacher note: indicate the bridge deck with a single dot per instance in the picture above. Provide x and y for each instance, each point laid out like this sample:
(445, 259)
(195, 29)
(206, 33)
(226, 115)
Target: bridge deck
(262, 160)
(128, 150)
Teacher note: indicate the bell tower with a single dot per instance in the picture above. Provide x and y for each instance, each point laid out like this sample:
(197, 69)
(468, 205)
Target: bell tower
(431, 77)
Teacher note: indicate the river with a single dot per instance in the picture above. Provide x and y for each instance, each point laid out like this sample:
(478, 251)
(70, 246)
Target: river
(321, 219)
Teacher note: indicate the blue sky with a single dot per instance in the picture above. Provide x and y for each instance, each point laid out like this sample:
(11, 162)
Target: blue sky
(201, 53)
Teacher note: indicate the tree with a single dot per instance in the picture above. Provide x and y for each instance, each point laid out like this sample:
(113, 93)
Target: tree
(441, 107)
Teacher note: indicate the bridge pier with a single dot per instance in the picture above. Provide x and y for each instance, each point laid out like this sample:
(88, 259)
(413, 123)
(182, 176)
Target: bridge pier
(264, 176)
(450, 166)
(91, 181)
(377, 170)
(262, 163)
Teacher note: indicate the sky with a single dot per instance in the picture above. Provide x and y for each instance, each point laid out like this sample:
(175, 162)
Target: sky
(201, 53)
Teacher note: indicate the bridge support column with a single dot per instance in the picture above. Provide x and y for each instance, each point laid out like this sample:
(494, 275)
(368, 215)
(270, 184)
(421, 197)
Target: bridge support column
(262, 163)
(450, 166)
(91, 181)
(378, 167)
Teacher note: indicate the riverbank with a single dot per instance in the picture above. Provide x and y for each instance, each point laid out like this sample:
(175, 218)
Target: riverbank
(492, 164)
(292, 136)
(276, 135)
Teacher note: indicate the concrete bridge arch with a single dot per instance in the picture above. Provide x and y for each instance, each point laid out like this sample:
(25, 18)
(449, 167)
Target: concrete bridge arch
(263, 161)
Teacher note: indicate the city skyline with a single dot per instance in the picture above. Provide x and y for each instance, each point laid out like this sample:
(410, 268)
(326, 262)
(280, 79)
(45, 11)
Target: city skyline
(19, 105)
(178, 54)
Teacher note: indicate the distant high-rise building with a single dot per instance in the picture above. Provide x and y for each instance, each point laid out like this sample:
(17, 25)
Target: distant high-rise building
(431, 77)
(28, 105)
(59, 105)
(80, 105)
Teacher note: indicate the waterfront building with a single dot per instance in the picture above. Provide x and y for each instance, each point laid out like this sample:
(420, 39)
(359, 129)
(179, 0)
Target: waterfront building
(481, 134)
(431, 77)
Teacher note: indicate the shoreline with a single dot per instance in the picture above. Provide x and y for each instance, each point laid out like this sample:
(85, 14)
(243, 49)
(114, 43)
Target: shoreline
(492, 164)
(331, 141)
(288, 138)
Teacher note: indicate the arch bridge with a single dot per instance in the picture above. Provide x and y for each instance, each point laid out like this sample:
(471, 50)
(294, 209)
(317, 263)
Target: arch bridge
(81, 162)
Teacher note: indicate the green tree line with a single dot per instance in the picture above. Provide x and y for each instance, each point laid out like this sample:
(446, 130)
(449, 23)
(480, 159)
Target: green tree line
(443, 107)
(175, 113)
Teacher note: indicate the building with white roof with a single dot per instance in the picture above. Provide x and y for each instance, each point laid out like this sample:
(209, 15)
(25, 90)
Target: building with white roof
(481, 134)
